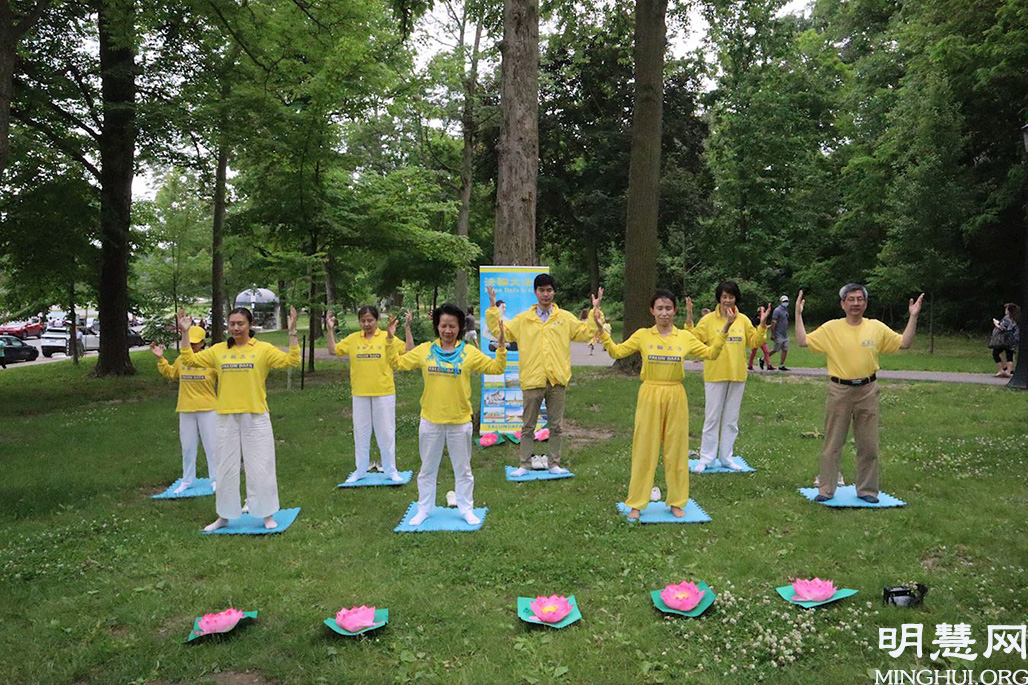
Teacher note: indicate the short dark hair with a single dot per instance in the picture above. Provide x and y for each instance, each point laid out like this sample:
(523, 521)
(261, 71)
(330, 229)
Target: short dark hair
(662, 294)
(452, 310)
(249, 318)
(1013, 311)
(471, 310)
(543, 280)
(499, 302)
(730, 287)
(367, 309)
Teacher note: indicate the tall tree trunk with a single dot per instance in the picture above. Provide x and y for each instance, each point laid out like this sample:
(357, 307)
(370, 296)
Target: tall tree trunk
(313, 318)
(117, 149)
(514, 241)
(644, 167)
(11, 30)
(283, 319)
(73, 332)
(592, 254)
(217, 253)
(1019, 379)
(931, 323)
(435, 297)
(330, 282)
(467, 159)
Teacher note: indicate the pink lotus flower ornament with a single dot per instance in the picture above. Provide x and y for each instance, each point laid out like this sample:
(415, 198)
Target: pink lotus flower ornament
(683, 597)
(517, 435)
(219, 623)
(816, 590)
(488, 440)
(357, 618)
(542, 434)
(550, 609)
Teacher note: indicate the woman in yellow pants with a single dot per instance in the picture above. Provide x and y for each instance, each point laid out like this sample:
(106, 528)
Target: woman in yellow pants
(662, 410)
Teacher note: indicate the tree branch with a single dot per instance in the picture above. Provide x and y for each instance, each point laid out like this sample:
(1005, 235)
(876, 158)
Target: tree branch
(60, 142)
(29, 20)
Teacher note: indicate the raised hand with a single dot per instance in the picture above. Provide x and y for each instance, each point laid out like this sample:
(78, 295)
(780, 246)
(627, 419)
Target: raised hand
(391, 326)
(915, 307)
(330, 320)
(492, 295)
(730, 316)
(185, 322)
(291, 321)
(598, 318)
(502, 337)
(764, 311)
(408, 318)
(688, 307)
(158, 350)
(799, 303)
(598, 298)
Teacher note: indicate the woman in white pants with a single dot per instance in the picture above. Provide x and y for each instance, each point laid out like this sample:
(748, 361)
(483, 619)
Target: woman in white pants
(446, 365)
(724, 378)
(371, 387)
(244, 426)
(196, 417)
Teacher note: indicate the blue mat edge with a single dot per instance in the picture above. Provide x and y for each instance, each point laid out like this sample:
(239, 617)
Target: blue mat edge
(293, 511)
(624, 514)
(525, 479)
(745, 464)
(206, 482)
(893, 501)
(399, 527)
(390, 484)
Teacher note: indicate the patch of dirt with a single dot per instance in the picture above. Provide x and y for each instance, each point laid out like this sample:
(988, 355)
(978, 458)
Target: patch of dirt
(240, 678)
(585, 436)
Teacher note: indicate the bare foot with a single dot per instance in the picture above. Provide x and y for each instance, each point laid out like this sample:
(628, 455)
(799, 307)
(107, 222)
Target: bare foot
(220, 523)
(678, 512)
(634, 515)
(270, 523)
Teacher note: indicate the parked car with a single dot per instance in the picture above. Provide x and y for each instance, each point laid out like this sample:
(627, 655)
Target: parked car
(135, 339)
(56, 340)
(17, 351)
(33, 328)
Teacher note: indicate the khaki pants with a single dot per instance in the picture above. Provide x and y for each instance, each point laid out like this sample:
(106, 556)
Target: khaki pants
(533, 399)
(860, 404)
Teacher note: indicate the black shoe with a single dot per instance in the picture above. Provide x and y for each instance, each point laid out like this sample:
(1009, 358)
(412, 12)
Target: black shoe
(822, 498)
(870, 499)
(761, 362)
(782, 368)
(770, 368)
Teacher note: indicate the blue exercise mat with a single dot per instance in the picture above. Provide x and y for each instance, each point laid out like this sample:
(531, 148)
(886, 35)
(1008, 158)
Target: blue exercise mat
(249, 525)
(846, 496)
(201, 487)
(716, 467)
(441, 519)
(660, 512)
(373, 479)
(534, 474)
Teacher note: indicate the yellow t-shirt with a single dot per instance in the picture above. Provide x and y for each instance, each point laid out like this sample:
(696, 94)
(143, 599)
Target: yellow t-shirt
(242, 370)
(731, 365)
(370, 373)
(662, 357)
(544, 346)
(853, 350)
(196, 384)
(447, 394)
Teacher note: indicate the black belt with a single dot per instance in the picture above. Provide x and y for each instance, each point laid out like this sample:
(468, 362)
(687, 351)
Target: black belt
(858, 381)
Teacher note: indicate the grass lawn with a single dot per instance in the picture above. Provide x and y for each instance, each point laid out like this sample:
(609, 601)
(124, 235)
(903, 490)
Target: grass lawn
(99, 583)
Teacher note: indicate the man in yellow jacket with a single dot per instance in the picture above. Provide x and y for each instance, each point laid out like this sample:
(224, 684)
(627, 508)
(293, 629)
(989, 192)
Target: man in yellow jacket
(544, 334)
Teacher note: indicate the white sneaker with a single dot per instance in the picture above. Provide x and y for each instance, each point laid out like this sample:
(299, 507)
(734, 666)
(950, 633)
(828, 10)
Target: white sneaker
(214, 486)
(396, 478)
(246, 507)
(519, 471)
(375, 466)
(419, 518)
(558, 470)
(655, 495)
(839, 483)
(451, 498)
(471, 519)
(539, 461)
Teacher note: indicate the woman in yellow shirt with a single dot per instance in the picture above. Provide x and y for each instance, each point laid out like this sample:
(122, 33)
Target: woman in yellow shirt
(446, 365)
(662, 409)
(372, 389)
(244, 426)
(725, 379)
(196, 416)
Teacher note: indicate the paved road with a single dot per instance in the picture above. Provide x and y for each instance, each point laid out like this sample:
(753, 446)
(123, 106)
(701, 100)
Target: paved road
(58, 357)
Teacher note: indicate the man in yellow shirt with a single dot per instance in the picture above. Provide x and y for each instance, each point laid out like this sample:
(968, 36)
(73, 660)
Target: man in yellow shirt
(197, 397)
(852, 345)
(544, 334)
